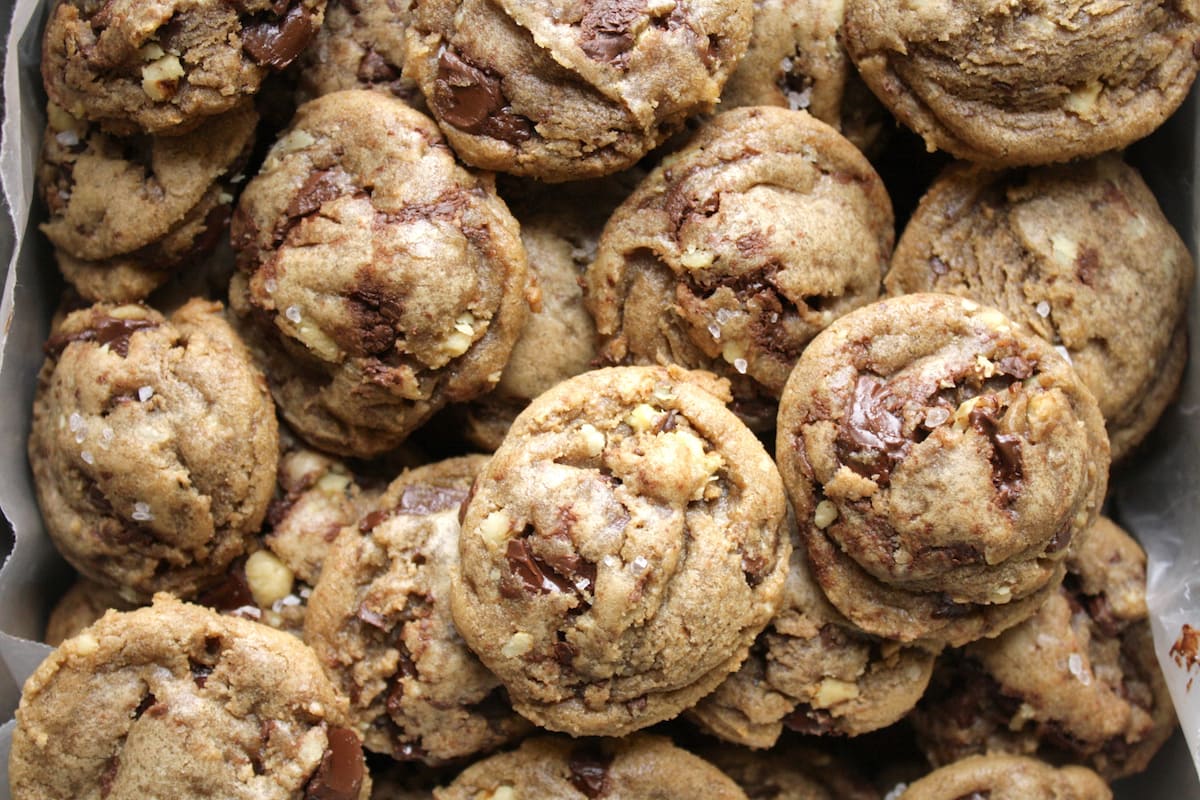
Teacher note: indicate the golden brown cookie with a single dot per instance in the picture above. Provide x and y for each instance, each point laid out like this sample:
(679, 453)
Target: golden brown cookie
(360, 46)
(940, 462)
(621, 550)
(378, 279)
(1001, 777)
(1080, 255)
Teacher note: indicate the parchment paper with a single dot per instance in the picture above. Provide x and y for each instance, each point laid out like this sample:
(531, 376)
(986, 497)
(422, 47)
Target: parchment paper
(1157, 498)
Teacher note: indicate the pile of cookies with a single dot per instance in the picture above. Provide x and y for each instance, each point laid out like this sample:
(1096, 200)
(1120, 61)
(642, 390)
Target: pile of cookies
(568, 420)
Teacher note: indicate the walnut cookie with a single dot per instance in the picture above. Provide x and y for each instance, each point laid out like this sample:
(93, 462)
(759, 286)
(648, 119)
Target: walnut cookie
(621, 550)
(378, 280)
(940, 462)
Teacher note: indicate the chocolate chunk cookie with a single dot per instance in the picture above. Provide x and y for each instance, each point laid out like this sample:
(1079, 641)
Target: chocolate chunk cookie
(84, 603)
(124, 211)
(795, 60)
(736, 251)
(1080, 255)
(940, 462)
(163, 67)
(789, 772)
(379, 620)
(1010, 84)
(814, 672)
(360, 46)
(379, 280)
(1077, 682)
(622, 550)
(1002, 777)
(153, 446)
(640, 767)
(568, 90)
(174, 700)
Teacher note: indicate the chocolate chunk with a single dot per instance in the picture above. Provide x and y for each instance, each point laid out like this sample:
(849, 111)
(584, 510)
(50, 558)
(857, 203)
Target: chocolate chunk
(110, 331)
(275, 43)
(565, 652)
(471, 99)
(1101, 612)
(231, 594)
(421, 500)
(374, 68)
(871, 440)
(1016, 366)
(143, 706)
(948, 609)
(1087, 263)
(589, 770)
(372, 618)
(340, 775)
(109, 776)
(809, 720)
(1062, 538)
(200, 672)
(1006, 452)
(370, 521)
(606, 29)
(320, 187)
(536, 575)
(938, 266)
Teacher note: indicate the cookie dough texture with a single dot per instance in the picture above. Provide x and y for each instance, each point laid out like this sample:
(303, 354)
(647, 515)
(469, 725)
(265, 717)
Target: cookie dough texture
(569, 90)
(814, 672)
(1002, 777)
(360, 46)
(641, 767)
(1076, 682)
(379, 620)
(621, 550)
(153, 446)
(1009, 84)
(739, 249)
(795, 60)
(940, 462)
(378, 279)
(164, 67)
(1081, 255)
(175, 700)
(124, 211)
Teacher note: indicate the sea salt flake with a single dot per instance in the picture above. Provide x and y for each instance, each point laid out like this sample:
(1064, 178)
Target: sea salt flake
(145, 393)
(67, 138)
(740, 365)
(293, 314)
(724, 315)
(714, 330)
(75, 423)
(141, 512)
(1043, 309)
(1062, 351)
(639, 564)
(270, 285)
(87, 457)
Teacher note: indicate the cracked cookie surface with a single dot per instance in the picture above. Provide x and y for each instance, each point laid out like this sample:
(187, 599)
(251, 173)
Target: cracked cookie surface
(940, 462)
(621, 550)
(154, 446)
(378, 279)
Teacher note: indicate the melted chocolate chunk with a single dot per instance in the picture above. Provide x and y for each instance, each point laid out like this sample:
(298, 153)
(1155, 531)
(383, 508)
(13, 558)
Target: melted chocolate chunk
(606, 30)
(536, 575)
(374, 68)
(1006, 452)
(370, 521)
(871, 440)
(200, 672)
(320, 187)
(275, 43)
(420, 500)
(589, 770)
(340, 775)
(471, 99)
(110, 331)
(1016, 366)
(231, 594)
(109, 776)
(948, 609)
(1062, 538)
(809, 720)
(1087, 263)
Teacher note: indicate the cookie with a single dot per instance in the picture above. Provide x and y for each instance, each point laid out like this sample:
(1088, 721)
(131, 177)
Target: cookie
(1078, 682)
(84, 603)
(814, 672)
(1001, 777)
(940, 462)
(738, 249)
(621, 550)
(1010, 85)
(378, 279)
(564, 91)
(795, 60)
(379, 620)
(641, 767)
(175, 699)
(153, 446)
(164, 67)
(1080, 255)
(789, 772)
(360, 46)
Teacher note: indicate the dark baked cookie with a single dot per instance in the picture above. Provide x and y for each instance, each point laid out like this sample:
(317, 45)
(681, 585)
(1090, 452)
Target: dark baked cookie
(1010, 84)
(153, 446)
(640, 767)
(940, 462)
(163, 67)
(621, 550)
(1080, 255)
(568, 90)
(176, 701)
(1078, 682)
(796, 60)
(380, 280)
(738, 249)
(379, 620)
(814, 672)
(1002, 777)
(360, 46)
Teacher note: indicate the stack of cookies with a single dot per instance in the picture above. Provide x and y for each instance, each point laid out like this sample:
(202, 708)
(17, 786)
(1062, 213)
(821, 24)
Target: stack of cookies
(553, 435)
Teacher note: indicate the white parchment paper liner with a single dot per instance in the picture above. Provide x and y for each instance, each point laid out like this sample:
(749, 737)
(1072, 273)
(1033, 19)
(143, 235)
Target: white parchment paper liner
(1158, 495)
